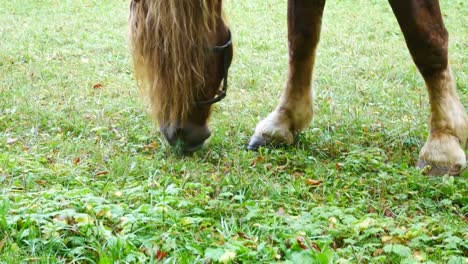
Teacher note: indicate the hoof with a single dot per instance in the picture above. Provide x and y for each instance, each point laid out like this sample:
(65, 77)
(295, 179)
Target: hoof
(438, 170)
(256, 142)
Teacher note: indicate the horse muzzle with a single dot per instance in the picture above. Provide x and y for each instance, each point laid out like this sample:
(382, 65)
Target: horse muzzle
(187, 138)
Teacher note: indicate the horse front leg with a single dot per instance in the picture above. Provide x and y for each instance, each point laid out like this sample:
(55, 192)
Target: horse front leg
(427, 40)
(294, 111)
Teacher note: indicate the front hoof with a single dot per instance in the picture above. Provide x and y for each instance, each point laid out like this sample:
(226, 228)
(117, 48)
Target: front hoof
(438, 170)
(256, 142)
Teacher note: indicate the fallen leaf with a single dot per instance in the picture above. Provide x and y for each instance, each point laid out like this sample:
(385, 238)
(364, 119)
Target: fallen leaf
(298, 174)
(313, 182)
(386, 239)
(256, 160)
(101, 173)
(300, 241)
(41, 182)
(76, 160)
(378, 252)
(282, 167)
(338, 166)
(389, 213)
(243, 235)
(97, 86)
(160, 255)
(316, 247)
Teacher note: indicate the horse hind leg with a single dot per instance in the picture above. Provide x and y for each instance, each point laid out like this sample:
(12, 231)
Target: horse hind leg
(427, 40)
(294, 111)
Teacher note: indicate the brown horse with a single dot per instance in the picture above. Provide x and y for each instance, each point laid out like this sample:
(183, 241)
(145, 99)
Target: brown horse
(182, 51)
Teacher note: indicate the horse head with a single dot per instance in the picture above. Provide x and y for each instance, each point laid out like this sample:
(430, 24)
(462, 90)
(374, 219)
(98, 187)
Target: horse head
(182, 51)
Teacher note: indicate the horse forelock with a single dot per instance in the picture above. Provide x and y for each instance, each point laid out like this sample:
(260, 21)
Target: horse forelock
(169, 39)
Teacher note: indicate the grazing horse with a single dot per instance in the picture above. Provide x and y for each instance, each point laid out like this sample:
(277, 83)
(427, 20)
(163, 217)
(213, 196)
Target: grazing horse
(182, 51)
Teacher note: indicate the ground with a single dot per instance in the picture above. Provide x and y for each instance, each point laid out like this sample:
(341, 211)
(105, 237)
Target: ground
(87, 178)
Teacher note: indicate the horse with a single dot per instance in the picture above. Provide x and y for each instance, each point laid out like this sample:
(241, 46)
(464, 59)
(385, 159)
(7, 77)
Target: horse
(182, 51)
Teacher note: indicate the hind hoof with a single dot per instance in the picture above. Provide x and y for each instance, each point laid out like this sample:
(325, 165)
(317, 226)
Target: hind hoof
(438, 170)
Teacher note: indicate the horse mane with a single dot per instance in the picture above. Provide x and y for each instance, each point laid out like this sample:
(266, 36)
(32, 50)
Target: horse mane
(169, 40)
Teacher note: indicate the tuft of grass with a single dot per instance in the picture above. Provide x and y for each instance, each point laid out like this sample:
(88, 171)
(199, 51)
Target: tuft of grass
(87, 178)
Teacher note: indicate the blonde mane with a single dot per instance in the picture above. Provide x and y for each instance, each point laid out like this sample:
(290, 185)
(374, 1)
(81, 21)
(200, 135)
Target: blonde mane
(169, 39)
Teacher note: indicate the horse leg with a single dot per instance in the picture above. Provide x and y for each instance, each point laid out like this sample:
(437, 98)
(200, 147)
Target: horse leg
(427, 41)
(294, 111)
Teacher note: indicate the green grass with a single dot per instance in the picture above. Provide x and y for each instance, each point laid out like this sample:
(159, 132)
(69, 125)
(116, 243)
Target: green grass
(86, 177)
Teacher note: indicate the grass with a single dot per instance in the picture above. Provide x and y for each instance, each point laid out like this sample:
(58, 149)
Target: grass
(87, 178)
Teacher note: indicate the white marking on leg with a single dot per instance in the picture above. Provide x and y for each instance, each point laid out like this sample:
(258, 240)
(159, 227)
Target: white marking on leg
(449, 124)
(447, 112)
(293, 114)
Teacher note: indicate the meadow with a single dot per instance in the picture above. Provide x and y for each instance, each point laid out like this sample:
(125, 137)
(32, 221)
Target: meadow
(86, 177)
